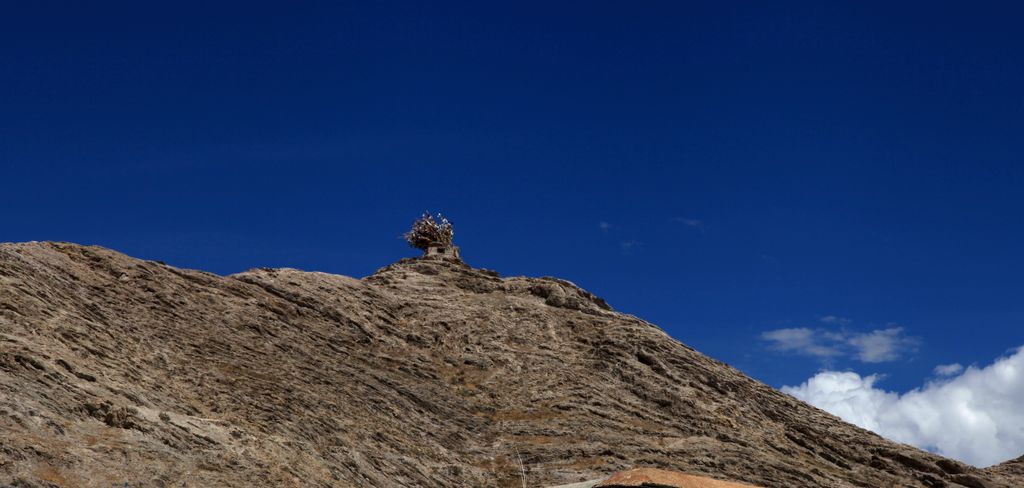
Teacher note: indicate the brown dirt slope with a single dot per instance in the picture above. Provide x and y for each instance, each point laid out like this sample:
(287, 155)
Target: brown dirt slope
(115, 370)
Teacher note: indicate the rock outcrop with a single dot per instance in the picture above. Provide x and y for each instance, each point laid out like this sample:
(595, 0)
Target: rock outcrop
(118, 371)
(1013, 469)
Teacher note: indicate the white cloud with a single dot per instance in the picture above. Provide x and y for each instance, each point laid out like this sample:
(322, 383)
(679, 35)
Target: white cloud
(876, 346)
(800, 340)
(948, 369)
(974, 416)
(604, 226)
(835, 320)
(883, 345)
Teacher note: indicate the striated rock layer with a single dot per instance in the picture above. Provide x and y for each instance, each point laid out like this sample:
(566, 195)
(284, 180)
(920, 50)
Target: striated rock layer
(115, 370)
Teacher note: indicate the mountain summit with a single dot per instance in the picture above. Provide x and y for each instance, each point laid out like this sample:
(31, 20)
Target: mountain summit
(120, 372)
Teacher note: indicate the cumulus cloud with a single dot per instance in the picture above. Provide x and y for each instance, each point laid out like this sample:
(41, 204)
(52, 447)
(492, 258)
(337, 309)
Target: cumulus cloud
(876, 346)
(974, 415)
(948, 369)
(604, 226)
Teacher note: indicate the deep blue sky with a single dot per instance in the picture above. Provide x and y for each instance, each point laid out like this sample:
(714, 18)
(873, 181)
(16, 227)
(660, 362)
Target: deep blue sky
(842, 158)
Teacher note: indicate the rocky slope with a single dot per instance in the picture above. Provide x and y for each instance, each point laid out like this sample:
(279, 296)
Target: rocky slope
(1013, 470)
(428, 373)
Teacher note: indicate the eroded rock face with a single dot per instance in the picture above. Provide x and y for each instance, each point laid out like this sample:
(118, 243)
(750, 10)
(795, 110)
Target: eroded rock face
(428, 373)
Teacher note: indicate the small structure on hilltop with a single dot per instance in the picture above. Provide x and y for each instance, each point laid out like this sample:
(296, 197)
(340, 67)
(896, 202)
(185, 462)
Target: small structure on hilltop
(433, 237)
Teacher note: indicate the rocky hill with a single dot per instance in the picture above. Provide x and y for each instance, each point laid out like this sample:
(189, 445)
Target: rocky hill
(1012, 470)
(121, 372)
